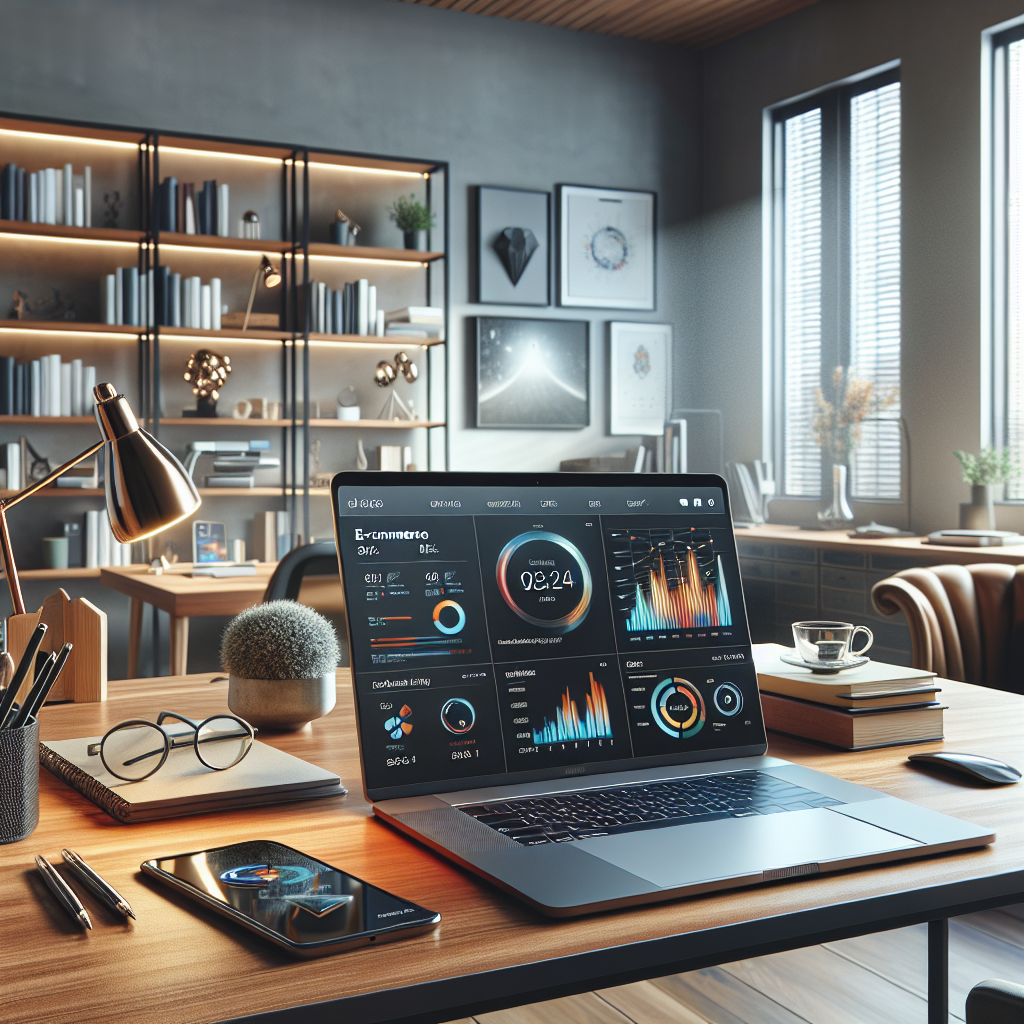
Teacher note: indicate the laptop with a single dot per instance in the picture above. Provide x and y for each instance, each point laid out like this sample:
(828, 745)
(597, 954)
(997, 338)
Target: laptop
(555, 690)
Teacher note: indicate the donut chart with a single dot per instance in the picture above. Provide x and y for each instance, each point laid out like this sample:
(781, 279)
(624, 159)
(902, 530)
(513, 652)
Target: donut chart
(458, 716)
(451, 627)
(678, 708)
(728, 699)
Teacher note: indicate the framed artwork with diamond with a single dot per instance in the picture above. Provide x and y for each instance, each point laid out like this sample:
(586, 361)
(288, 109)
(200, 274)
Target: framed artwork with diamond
(606, 247)
(513, 246)
(640, 378)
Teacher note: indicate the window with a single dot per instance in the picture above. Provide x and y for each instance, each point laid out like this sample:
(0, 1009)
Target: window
(834, 276)
(1004, 181)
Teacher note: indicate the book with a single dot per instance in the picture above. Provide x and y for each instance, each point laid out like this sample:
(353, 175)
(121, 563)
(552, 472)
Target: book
(389, 458)
(92, 539)
(168, 203)
(415, 315)
(231, 480)
(13, 452)
(874, 684)
(189, 219)
(7, 376)
(68, 202)
(223, 219)
(283, 524)
(8, 184)
(853, 728)
(266, 776)
(87, 189)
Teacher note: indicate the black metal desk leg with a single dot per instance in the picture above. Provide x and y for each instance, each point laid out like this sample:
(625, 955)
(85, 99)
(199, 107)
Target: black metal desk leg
(938, 972)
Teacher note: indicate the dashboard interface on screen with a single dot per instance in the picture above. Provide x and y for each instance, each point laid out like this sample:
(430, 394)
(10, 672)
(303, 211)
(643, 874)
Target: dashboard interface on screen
(545, 630)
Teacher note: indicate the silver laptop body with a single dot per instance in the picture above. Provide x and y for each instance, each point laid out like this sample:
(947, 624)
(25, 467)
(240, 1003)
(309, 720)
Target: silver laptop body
(554, 689)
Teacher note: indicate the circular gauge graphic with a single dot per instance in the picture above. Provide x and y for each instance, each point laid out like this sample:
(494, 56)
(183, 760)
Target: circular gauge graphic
(545, 580)
(609, 248)
(449, 617)
(458, 715)
(265, 874)
(728, 699)
(677, 708)
(401, 724)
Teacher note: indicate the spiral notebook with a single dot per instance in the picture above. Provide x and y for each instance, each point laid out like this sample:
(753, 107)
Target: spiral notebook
(184, 786)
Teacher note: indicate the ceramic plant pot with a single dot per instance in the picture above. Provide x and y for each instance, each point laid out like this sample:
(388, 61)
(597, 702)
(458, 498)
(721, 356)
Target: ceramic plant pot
(282, 705)
(416, 240)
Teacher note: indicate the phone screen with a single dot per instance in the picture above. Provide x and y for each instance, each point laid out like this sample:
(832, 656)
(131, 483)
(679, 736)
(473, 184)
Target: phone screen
(300, 898)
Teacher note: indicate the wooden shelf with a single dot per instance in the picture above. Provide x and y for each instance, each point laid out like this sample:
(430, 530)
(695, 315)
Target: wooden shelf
(227, 421)
(48, 420)
(385, 340)
(61, 492)
(119, 236)
(372, 252)
(70, 327)
(245, 245)
(75, 572)
(230, 334)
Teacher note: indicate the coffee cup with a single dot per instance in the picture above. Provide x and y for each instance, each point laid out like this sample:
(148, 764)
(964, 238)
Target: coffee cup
(824, 641)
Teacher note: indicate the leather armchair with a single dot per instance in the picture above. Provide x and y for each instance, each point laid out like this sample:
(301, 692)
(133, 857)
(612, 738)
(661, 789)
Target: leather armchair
(966, 622)
(995, 1002)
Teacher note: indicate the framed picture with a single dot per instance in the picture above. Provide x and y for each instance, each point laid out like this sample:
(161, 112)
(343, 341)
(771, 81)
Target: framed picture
(606, 247)
(532, 374)
(640, 378)
(513, 246)
(209, 542)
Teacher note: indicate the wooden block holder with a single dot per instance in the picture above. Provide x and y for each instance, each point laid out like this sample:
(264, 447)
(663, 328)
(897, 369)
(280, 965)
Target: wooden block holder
(78, 622)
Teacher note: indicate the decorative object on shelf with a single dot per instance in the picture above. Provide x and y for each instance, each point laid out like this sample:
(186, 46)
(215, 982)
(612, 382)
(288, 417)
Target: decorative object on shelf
(317, 478)
(55, 308)
(413, 219)
(362, 462)
(343, 229)
(242, 409)
(532, 374)
(348, 404)
(39, 467)
(513, 246)
(111, 209)
(147, 490)
(271, 279)
(837, 427)
(640, 378)
(422, 323)
(55, 553)
(385, 375)
(987, 473)
(209, 542)
(206, 372)
(280, 658)
(250, 224)
(606, 247)
(234, 462)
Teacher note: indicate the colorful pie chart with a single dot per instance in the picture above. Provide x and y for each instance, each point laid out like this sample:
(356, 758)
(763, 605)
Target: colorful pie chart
(678, 708)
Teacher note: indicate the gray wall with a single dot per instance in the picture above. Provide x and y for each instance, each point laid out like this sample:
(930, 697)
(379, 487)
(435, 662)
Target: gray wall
(505, 103)
(939, 44)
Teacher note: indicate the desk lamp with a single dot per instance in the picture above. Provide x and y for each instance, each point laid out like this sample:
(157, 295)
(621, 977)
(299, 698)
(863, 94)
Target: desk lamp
(271, 279)
(147, 487)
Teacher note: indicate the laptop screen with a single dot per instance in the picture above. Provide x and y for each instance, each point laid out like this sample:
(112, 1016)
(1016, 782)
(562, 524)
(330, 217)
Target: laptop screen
(506, 627)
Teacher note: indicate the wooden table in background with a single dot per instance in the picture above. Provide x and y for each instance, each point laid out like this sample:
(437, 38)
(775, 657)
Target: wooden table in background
(181, 597)
(179, 963)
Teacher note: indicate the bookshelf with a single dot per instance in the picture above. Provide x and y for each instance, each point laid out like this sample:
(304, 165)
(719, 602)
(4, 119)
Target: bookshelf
(294, 190)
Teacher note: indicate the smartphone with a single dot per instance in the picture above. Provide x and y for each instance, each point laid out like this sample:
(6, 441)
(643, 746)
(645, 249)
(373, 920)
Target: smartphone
(298, 903)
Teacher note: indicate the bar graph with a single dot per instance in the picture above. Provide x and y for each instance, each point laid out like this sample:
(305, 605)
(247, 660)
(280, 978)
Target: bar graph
(568, 725)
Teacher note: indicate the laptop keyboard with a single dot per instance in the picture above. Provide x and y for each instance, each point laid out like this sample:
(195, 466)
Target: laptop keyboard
(566, 817)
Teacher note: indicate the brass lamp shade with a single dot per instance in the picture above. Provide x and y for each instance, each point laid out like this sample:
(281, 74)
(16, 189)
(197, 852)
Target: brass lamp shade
(148, 489)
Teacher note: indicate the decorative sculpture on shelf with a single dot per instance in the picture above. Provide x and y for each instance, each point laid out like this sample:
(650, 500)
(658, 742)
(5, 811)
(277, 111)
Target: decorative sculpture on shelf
(343, 229)
(385, 375)
(206, 372)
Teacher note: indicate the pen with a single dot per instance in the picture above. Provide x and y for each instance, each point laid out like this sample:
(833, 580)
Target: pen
(64, 893)
(39, 692)
(27, 658)
(101, 888)
(16, 719)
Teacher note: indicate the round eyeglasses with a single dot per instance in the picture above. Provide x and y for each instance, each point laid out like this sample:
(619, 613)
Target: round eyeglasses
(135, 749)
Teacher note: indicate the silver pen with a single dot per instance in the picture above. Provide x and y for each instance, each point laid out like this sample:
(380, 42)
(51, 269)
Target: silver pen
(99, 886)
(64, 893)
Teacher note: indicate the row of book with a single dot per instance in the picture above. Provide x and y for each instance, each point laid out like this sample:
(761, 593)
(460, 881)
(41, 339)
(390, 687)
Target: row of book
(351, 309)
(393, 458)
(100, 548)
(192, 211)
(272, 533)
(53, 195)
(46, 387)
(874, 705)
(160, 297)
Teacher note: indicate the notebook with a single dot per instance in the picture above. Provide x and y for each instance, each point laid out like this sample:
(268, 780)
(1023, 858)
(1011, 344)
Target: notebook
(184, 786)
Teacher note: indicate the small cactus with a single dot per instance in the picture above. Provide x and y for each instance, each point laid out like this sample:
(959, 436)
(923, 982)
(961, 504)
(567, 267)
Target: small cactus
(279, 640)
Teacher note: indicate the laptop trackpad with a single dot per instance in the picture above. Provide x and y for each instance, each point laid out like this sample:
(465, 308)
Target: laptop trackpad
(733, 847)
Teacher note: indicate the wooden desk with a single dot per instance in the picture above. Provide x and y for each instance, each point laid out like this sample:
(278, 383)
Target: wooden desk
(181, 597)
(178, 963)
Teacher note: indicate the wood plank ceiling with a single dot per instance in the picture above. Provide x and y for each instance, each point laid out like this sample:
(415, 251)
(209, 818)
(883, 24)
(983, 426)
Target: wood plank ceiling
(697, 23)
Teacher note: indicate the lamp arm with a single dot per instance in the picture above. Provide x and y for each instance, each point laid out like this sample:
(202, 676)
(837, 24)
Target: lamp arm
(252, 296)
(58, 472)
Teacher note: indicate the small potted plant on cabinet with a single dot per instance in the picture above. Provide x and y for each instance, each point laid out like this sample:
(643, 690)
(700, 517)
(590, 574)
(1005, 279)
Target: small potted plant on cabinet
(987, 473)
(413, 219)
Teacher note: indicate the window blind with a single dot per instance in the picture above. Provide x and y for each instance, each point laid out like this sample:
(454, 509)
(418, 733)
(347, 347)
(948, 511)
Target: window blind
(1015, 259)
(875, 284)
(801, 326)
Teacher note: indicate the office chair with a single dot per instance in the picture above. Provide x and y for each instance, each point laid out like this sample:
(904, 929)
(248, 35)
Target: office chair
(309, 575)
(995, 1002)
(966, 621)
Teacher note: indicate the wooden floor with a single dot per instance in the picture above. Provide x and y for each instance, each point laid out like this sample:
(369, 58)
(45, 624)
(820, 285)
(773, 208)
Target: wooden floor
(877, 979)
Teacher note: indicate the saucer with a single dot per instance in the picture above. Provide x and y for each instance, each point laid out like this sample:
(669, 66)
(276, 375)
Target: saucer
(824, 668)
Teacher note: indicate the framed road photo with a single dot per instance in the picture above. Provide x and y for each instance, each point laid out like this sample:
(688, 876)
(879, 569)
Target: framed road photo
(513, 246)
(640, 378)
(606, 248)
(532, 374)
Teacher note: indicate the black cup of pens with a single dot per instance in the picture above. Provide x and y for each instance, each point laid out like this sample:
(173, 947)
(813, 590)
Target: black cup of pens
(19, 781)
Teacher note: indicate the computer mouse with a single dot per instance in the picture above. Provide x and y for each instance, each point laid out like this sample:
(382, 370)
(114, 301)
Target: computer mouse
(974, 766)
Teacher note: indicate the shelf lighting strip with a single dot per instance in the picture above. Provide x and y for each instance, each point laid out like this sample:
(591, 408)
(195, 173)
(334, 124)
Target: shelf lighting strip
(254, 158)
(69, 138)
(65, 240)
(126, 336)
(418, 264)
(388, 341)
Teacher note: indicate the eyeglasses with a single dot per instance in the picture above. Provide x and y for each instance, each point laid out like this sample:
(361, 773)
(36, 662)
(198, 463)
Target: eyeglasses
(135, 749)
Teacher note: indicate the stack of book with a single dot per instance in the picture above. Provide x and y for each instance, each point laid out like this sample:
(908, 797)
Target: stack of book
(54, 195)
(46, 387)
(192, 211)
(875, 705)
(416, 323)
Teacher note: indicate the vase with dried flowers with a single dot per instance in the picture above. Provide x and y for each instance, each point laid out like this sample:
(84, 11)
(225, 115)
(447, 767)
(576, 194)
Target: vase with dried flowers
(837, 429)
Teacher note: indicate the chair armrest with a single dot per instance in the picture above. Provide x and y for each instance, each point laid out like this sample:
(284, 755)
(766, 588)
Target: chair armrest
(995, 1002)
(893, 595)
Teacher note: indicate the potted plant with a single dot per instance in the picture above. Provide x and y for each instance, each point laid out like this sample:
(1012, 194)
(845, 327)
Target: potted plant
(280, 658)
(987, 473)
(837, 426)
(413, 219)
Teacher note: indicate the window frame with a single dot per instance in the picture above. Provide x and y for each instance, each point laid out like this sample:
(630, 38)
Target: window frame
(836, 321)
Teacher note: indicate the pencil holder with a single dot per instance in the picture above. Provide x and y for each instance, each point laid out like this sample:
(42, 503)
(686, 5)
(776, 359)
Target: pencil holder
(19, 781)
